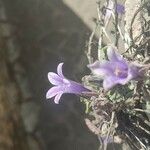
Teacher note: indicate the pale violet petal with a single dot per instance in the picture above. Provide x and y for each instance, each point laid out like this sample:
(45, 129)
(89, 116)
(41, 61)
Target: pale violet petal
(113, 55)
(134, 70)
(57, 97)
(126, 80)
(66, 81)
(110, 82)
(96, 64)
(120, 9)
(101, 68)
(53, 91)
(54, 78)
(59, 70)
(133, 73)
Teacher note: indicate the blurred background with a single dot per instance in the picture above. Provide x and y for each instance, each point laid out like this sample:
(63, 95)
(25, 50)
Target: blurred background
(35, 36)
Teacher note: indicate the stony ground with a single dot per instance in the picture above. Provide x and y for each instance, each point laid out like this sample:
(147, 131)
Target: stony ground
(49, 32)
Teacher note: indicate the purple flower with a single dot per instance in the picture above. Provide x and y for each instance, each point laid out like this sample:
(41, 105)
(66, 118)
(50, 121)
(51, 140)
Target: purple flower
(120, 9)
(62, 85)
(106, 140)
(116, 70)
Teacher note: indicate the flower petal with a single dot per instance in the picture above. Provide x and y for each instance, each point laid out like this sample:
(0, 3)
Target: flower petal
(107, 140)
(76, 88)
(113, 55)
(101, 69)
(53, 91)
(120, 69)
(120, 9)
(110, 82)
(57, 97)
(54, 78)
(59, 70)
(134, 70)
(133, 73)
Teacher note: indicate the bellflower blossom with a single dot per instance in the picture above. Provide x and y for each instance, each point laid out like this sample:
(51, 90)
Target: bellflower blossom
(63, 85)
(120, 9)
(116, 70)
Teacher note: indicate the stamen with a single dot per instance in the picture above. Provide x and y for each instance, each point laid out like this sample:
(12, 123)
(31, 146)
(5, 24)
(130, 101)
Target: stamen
(117, 71)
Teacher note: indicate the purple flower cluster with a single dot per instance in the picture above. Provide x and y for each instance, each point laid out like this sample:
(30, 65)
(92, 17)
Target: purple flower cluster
(115, 70)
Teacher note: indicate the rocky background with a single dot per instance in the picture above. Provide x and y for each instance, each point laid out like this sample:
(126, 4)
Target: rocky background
(35, 36)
